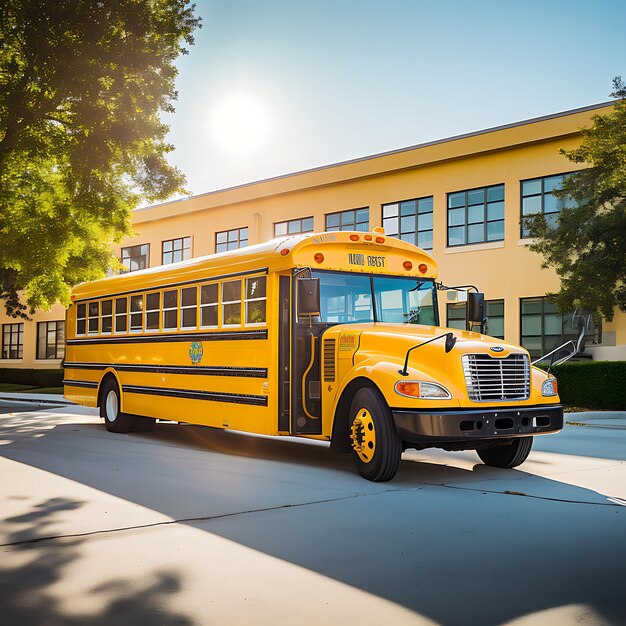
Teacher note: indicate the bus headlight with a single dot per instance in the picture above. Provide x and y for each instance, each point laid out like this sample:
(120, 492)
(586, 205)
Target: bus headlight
(549, 387)
(422, 390)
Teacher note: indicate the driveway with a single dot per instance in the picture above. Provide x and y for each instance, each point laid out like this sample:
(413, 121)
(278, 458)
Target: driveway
(191, 525)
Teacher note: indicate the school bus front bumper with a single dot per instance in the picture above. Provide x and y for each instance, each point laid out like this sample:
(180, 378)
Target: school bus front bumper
(459, 425)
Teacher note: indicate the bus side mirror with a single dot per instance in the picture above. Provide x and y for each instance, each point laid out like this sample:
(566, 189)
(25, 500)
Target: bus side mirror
(308, 296)
(475, 307)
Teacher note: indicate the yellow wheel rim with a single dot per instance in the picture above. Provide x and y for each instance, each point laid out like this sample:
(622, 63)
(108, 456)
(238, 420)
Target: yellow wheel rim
(363, 435)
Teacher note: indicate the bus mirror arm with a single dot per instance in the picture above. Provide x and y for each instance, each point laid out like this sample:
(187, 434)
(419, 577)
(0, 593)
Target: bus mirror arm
(450, 341)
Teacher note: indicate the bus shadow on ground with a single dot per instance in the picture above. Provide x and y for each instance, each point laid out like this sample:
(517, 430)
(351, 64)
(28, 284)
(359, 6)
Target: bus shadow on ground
(460, 546)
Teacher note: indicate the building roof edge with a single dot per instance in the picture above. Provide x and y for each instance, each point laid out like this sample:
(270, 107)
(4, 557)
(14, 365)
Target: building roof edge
(383, 154)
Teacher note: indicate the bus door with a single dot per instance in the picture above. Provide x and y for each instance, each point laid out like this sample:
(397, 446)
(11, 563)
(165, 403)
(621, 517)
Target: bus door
(300, 375)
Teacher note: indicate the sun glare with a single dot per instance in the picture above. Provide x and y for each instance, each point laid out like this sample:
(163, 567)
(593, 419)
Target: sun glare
(239, 124)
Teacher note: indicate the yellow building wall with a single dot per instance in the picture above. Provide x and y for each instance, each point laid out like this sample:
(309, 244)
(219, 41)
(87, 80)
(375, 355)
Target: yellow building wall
(503, 270)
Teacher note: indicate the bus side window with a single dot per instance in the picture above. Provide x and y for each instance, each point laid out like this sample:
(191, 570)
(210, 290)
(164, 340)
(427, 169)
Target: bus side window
(106, 309)
(136, 314)
(121, 308)
(255, 300)
(208, 305)
(170, 310)
(81, 319)
(188, 307)
(153, 308)
(231, 303)
(94, 318)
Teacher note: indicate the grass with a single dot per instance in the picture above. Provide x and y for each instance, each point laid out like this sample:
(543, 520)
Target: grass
(13, 387)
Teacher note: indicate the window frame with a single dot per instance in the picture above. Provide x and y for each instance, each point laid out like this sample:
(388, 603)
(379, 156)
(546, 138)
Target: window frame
(464, 318)
(183, 249)
(239, 239)
(353, 225)
(485, 221)
(299, 231)
(17, 332)
(398, 218)
(247, 300)
(59, 350)
(146, 255)
(542, 194)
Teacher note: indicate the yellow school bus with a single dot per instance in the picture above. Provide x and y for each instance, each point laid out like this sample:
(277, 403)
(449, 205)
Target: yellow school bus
(332, 336)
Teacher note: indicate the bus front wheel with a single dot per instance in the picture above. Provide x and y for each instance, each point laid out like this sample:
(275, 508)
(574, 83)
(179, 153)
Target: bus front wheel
(512, 454)
(114, 419)
(376, 446)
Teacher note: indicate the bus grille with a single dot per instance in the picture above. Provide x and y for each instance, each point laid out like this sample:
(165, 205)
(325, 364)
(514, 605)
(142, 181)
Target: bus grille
(329, 360)
(492, 380)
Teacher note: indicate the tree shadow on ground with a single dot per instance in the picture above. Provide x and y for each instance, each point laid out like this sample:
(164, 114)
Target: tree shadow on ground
(29, 569)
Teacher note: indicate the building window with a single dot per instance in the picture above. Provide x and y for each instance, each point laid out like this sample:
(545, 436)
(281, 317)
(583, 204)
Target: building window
(495, 317)
(476, 216)
(135, 257)
(12, 340)
(174, 250)
(537, 198)
(543, 328)
(355, 219)
(231, 239)
(294, 227)
(411, 220)
(50, 340)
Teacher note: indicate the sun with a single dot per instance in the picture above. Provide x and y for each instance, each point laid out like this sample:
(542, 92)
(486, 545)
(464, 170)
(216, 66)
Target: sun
(239, 124)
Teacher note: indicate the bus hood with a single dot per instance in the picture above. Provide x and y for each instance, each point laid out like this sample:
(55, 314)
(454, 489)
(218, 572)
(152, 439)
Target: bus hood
(371, 343)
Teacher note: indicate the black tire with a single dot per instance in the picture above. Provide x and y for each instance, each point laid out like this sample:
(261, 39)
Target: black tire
(143, 424)
(114, 420)
(513, 453)
(376, 446)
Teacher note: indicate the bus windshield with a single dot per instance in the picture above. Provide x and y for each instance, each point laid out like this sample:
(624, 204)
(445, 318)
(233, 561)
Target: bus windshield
(347, 297)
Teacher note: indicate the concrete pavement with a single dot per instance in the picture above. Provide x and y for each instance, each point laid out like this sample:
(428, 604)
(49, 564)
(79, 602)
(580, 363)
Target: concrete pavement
(190, 525)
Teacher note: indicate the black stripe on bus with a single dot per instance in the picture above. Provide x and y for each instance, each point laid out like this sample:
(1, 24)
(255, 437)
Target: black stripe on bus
(216, 336)
(198, 281)
(79, 383)
(208, 370)
(214, 396)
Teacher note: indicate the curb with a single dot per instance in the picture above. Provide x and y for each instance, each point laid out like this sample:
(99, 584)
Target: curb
(21, 400)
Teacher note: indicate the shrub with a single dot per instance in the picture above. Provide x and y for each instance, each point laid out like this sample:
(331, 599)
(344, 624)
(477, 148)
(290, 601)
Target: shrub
(37, 378)
(593, 384)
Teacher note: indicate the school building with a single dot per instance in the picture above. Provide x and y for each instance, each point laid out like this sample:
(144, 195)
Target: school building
(460, 198)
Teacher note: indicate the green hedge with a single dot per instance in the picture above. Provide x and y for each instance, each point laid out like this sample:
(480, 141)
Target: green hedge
(593, 384)
(38, 378)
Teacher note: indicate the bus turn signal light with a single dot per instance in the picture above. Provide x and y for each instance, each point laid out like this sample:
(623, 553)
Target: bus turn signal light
(422, 267)
(319, 257)
(408, 388)
(285, 251)
(407, 265)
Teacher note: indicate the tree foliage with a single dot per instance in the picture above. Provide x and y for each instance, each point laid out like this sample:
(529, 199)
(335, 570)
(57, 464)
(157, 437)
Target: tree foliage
(588, 245)
(82, 85)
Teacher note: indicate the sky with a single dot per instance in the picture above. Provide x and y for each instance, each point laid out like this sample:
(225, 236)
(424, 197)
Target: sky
(278, 86)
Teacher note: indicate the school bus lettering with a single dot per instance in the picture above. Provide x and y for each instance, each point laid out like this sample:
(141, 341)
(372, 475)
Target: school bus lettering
(361, 361)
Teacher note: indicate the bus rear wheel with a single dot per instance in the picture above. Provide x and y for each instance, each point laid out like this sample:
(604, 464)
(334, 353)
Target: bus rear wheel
(114, 420)
(511, 454)
(376, 446)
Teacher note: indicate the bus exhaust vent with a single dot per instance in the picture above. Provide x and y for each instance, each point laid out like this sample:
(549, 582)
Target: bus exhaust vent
(492, 380)
(329, 360)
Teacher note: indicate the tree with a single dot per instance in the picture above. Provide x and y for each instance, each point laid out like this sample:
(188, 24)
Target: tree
(82, 84)
(587, 247)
